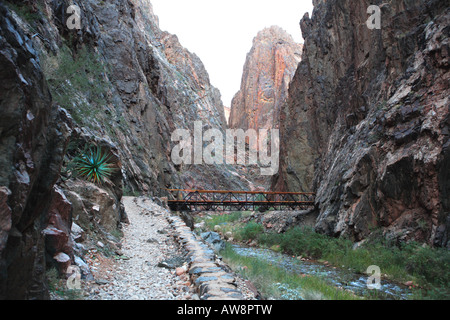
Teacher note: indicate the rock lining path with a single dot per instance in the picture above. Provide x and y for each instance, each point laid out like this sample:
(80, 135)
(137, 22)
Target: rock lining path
(155, 264)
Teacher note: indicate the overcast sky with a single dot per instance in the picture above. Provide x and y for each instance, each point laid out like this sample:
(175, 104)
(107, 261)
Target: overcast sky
(220, 32)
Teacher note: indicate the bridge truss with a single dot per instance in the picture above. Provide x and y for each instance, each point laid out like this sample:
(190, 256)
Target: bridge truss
(214, 200)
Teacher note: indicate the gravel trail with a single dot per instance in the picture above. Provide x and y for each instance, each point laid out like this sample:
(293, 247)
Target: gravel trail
(146, 243)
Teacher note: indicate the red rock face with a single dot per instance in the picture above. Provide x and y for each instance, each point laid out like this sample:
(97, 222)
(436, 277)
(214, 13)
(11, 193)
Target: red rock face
(57, 232)
(227, 111)
(269, 68)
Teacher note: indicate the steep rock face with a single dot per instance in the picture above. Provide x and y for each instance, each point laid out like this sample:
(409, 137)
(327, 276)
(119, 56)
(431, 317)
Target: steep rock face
(33, 137)
(142, 85)
(366, 125)
(162, 87)
(270, 66)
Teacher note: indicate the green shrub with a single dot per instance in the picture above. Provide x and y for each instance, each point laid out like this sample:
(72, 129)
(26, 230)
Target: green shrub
(58, 287)
(25, 12)
(94, 166)
(223, 219)
(77, 82)
(302, 241)
(128, 192)
(432, 265)
(250, 231)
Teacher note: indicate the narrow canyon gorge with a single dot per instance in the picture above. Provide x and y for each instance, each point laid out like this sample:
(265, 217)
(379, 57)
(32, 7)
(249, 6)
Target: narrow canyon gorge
(362, 113)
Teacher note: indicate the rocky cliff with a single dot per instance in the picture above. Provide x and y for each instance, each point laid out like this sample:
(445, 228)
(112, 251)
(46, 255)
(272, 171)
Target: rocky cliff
(269, 67)
(115, 82)
(366, 125)
(125, 82)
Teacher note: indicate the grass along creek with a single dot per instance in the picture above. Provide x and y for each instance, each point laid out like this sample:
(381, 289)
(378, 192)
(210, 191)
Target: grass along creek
(300, 264)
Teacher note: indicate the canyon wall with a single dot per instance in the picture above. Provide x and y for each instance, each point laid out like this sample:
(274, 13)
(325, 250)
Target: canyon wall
(268, 69)
(118, 83)
(141, 85)
(366, 125)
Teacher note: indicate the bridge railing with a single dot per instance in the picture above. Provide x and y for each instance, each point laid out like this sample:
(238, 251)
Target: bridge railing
(227, 200)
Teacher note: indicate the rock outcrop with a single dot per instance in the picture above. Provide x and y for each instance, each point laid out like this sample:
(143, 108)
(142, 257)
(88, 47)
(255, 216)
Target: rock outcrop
(366, 125)
(268, 70)
(33, 137)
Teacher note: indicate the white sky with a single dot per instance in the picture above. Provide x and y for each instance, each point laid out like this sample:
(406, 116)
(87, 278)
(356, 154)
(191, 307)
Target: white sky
(221, 32)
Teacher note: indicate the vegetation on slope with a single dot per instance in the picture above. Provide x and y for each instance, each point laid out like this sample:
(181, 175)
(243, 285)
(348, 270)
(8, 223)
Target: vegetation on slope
(425, 269)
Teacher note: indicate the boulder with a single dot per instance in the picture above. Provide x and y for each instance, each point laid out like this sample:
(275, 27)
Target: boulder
(92, 202)
(214, 240)
(59, 225)
(84, 268)
(78, 234)
(64, 261)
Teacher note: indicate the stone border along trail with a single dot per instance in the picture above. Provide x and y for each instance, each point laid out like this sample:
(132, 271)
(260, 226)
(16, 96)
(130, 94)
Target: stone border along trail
(164, 260)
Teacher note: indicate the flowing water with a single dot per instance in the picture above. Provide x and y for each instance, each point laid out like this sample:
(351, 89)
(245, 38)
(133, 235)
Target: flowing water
(357, 283)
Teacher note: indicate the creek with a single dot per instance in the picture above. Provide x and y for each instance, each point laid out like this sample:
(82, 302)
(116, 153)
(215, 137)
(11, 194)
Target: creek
(343, 278)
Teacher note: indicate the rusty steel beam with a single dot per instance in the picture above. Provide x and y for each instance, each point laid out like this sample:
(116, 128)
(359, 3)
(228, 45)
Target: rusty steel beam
(239, 192)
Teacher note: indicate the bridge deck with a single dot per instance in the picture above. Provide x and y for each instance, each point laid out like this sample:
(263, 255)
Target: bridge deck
(217, 200)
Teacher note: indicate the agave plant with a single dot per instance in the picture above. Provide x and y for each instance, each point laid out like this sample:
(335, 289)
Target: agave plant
(94, 166)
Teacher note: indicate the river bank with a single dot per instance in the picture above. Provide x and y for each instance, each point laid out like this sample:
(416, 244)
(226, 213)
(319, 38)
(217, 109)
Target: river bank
(408, 271)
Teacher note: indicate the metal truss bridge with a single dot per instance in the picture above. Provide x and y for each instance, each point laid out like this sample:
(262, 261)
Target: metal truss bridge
(214, 200)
